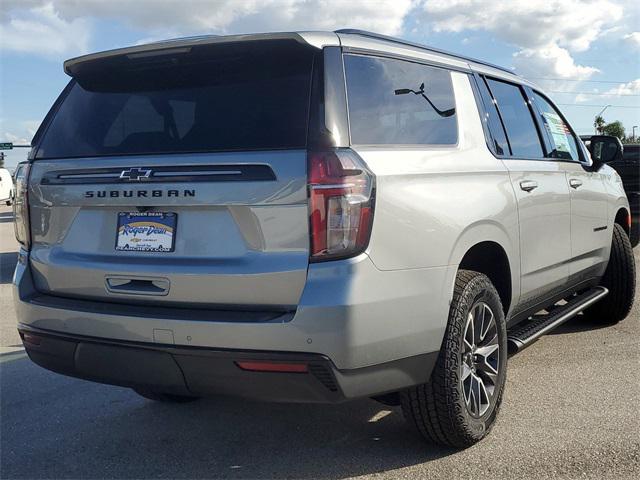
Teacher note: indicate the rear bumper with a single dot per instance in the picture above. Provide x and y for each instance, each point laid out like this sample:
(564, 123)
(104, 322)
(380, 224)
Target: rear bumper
(374, 330)
(204, 372)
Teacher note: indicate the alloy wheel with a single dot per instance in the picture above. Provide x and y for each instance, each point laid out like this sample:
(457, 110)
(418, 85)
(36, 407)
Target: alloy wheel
(480, 359)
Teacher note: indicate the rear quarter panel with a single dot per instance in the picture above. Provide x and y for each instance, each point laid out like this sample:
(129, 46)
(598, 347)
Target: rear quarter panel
(433, 204)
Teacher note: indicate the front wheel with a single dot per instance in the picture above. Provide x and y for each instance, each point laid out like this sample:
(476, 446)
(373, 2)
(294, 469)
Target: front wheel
(459, 404)
(619, 278)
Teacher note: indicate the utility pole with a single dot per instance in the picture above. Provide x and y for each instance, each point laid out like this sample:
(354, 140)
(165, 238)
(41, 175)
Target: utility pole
(633, 129)
(598, 115)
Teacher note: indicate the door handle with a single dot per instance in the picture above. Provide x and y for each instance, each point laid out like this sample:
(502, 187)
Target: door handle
(528, 185)
(575, 183)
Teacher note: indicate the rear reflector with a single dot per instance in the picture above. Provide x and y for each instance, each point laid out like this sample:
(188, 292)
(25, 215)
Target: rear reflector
(255, 366)
(31, 339)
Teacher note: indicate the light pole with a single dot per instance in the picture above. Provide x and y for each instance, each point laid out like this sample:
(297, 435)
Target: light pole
(633, 129)
(601, 112)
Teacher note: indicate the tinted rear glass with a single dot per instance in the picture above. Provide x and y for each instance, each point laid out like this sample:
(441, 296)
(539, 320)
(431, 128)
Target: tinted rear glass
(394, 102)
(234, 97)
(517, 119)
(495, 124)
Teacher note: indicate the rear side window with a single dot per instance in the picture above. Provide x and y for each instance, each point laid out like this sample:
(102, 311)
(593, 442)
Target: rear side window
(563, 143)
(394, 102)
(247, 96)
(516, 117)
(495, 124)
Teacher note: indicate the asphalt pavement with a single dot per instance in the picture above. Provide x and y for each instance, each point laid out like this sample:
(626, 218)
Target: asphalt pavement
(571, 410)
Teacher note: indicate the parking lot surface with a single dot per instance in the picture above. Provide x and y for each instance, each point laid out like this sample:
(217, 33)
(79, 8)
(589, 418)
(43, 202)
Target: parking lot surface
(571, 410)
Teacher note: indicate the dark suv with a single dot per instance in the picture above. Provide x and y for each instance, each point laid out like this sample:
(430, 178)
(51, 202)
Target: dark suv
(628, 167)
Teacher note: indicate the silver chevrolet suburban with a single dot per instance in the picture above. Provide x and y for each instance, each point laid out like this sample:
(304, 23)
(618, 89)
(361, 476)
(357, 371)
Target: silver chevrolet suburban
(311, 217)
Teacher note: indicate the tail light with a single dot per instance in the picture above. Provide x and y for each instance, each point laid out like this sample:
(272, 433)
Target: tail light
(341, 194)
(21, 208)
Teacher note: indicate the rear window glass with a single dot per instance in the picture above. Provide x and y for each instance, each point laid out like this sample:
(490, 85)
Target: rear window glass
(495, 124)
(394, 102)
(517, 120)
(237, 97)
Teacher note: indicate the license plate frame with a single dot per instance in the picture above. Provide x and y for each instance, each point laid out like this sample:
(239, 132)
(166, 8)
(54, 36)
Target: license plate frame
(139, 231)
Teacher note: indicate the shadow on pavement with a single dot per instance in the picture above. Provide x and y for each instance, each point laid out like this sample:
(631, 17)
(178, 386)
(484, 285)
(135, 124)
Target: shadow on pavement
(58, 427)
(579, 323)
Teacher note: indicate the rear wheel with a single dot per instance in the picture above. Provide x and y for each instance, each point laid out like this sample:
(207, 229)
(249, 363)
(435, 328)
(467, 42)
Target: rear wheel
(164, 397)
(459, 404)
(619, 278)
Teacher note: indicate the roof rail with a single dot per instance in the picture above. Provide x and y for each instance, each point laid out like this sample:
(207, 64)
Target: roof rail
(364, 33)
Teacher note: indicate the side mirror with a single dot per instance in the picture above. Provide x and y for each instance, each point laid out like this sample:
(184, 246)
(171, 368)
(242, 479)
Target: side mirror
(604, 149)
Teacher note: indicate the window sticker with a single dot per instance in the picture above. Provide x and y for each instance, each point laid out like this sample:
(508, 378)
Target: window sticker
(558, 131)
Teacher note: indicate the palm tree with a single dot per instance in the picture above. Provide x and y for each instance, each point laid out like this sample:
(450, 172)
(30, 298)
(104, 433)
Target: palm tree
(598, 124)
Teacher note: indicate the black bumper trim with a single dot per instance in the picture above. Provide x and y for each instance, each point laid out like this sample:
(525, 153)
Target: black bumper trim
(206, 372)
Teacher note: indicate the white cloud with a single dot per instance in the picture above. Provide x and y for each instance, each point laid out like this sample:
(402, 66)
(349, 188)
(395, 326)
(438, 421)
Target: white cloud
(19, 132)
(631, 88)
(550, 61)
(161, 18)
(40, 30)
(633, 39)
(573, 24)
(546, 32)
(13, 138)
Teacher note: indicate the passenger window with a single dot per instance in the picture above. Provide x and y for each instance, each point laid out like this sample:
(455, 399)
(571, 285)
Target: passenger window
(516, 117)
(394, 102)
(563, 143)
(495, 125)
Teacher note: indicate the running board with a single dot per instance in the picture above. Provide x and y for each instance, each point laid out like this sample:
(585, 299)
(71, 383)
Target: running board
(527, 332)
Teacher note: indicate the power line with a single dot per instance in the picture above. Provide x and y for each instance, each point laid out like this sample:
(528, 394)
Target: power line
(577, 80)
(597, 93)
(593, 105)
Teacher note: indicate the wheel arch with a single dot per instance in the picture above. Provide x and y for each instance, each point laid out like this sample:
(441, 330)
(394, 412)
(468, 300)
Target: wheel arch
(489, 248)
(623, 218)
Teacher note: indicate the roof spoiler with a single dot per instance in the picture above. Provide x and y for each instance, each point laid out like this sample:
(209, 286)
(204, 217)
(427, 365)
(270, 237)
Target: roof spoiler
(75, 67)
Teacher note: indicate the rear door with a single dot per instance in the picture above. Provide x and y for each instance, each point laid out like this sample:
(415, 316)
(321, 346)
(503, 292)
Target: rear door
(590, 234)
(541, 190)
(178, 178)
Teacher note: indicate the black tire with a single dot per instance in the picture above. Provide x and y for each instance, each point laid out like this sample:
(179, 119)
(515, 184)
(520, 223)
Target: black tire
(620, 279)
(164, 397)
(438, 409)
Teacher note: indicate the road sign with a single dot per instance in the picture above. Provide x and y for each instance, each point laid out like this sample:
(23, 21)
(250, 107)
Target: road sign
(6, 146)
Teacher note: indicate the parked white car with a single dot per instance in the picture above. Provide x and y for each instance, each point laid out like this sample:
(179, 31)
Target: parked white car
(6, 186)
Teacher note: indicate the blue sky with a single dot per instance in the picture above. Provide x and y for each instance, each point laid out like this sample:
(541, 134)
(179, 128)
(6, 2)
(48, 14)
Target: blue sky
(584, 53)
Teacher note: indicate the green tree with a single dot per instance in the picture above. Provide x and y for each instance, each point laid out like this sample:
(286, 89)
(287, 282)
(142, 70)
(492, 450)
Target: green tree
(614, 129)
(598, 124)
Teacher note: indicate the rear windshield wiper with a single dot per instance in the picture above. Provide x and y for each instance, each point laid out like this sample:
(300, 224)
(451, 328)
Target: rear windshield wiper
(442, 113)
